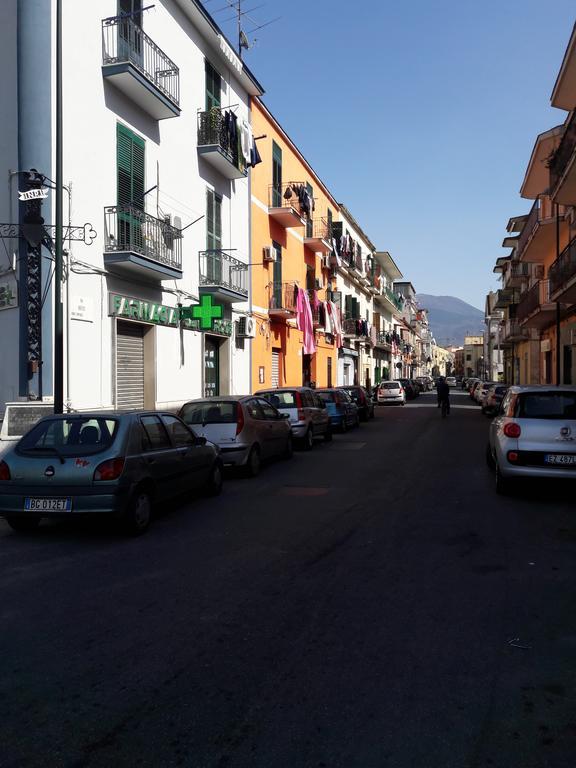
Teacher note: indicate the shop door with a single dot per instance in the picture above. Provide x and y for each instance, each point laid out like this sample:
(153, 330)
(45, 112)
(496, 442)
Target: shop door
(275, 367)
(211, 367)
(306, 370)
(129, 366)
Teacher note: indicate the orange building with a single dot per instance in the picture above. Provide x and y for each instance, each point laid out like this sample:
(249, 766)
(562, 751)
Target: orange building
(292, 214)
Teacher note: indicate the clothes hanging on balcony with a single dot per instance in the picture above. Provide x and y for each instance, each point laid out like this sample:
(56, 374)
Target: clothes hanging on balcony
(246, 140)
(333, 316)
(254, 155)
(304, 322)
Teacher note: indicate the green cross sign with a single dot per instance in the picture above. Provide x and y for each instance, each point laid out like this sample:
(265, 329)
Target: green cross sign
(206, 312)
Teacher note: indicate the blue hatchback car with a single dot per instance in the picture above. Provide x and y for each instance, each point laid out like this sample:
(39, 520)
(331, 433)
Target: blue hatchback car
(99, 463)
(342, 410)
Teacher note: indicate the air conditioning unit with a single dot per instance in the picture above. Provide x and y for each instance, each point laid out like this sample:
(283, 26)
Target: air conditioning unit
(246, 328)
(268, 253)
(539, 271)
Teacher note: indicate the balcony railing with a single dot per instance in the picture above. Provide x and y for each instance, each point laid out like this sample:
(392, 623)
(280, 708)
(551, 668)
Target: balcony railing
(130, 230)
(528, 228)
(395, 299)
(513, 331)
(563, 154)
(124, 41)
(355, 326)
(217, 128)
(384, 340)
(564, 268)
(219, 269)
(312, 294)
(291, 195)
(283, 298)
(534, 298)
(318, 229)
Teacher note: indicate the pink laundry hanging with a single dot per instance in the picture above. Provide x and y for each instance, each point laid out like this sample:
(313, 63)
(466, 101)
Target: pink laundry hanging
(304, 322)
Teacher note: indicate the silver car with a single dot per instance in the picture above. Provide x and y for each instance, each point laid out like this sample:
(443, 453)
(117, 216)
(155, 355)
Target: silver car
(309, 418)
(247, 429)
(391, 392)
(533, 435)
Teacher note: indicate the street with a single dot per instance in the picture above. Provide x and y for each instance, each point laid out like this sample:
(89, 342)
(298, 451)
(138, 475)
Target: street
(371, 604)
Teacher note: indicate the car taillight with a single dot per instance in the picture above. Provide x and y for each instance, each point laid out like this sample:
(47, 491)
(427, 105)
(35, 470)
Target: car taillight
(239, 420)
(109, 470)
(401, 390)
(4, 471)
(298, 399)
(512, 429)
(512, 457)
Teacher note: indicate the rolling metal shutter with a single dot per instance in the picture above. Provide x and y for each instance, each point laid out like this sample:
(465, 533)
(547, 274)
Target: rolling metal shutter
(275, 368)
(129, 366)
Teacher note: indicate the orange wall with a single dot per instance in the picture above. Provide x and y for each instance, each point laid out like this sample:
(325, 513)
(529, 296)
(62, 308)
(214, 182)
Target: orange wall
(270, 333)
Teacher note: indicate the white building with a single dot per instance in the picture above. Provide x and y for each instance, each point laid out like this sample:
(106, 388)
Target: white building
(387, 311)
(156, 157)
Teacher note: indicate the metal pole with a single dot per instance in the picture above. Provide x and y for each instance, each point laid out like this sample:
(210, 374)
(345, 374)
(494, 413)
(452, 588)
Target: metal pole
(557, 303)
(58, 313)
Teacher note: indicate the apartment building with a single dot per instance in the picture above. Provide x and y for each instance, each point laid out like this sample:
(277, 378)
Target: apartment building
(388, 307)
(157, 155)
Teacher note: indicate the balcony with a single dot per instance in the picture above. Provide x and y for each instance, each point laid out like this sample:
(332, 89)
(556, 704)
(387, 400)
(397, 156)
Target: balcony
(223, 276)
(286, 204)
(318, 236)
(535, 309)
(562, 275)
(316, 318)
(391, 301)
(141, 245)
(513, 332)
(383, 341)
(505, 297)
(282, 302)
(563, 167)
(538, 236)
(517, 272)
(354, 327)
(135, 65)
(218, 143)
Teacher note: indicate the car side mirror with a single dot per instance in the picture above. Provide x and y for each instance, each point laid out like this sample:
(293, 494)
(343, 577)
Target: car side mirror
(284, 415)
(199, 441)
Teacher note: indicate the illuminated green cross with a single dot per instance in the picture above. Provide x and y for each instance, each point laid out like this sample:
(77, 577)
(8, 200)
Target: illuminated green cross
(207, 312)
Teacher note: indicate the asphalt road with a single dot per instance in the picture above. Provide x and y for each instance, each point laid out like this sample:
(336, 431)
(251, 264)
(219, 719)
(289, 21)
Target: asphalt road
(372, 604)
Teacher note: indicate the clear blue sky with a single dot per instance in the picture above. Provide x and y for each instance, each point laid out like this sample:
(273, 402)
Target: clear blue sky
(420, 116)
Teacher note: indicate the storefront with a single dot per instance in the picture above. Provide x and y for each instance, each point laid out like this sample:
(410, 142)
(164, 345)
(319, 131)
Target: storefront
(347, 366)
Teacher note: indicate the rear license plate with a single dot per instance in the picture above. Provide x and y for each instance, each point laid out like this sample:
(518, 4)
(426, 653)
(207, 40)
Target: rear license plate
(560, 458)
(47, 505)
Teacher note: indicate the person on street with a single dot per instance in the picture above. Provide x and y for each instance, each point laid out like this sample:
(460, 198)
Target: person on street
(443, 393)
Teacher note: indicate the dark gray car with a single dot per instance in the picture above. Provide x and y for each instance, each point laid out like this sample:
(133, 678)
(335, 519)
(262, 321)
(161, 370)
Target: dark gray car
(104, 464)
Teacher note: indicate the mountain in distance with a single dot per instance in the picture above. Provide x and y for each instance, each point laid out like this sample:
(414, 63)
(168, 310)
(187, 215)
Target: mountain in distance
(451, 319)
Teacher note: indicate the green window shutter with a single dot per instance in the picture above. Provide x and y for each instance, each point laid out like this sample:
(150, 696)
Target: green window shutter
(213, 220)
(130, 163)
(213, 86)
(348, 305)
(218, 220)
(276, 175)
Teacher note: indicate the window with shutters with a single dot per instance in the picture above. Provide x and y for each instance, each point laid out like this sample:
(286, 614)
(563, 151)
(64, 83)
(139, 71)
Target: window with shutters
(213, 236)
(276, 176)
(213, 87)
(309, 221)
(130, 159)
(329, 221)
(277, 276)
(337, 233)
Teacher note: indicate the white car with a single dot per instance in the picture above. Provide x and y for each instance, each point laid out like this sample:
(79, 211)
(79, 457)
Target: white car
(451, 381)
(391, 392)
(533, 435)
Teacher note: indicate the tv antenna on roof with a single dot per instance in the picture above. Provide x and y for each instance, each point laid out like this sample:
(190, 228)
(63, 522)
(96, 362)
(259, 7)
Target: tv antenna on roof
(244, 43)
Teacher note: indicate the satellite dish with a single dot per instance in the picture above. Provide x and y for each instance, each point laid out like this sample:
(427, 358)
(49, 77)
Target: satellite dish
(244, 42)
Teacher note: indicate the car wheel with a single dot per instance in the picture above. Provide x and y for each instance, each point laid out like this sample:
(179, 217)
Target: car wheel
(215, 481)
(503, 484)
(23, 524)
(253, 464)
(328, 434)
(138, 515)
(308, 442)
(489, 457)
(289, 450)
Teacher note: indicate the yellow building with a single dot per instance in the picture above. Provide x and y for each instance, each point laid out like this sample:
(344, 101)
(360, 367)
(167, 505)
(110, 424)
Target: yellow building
(292, 214)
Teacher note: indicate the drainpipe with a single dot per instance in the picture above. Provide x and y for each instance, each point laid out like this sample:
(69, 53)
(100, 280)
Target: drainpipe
(58, 310)
(557, 303)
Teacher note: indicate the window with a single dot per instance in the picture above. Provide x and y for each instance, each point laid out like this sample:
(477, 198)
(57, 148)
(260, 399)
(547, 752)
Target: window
(267, 410)
(156, 437)
(329, 372)
(180, 434)
(213, 412)
(213, 86)
(277, 276)
(213, 236)
(309, 220)
(71, 437)
(253, 409)
(328, 397)
(329, 221)
(131, 8)
(546, 405)
(130, 155)
(281, 399)
(276, 176)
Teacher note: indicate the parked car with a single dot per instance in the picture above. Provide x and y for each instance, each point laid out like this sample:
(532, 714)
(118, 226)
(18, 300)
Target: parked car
(391, 392)
(482, 390)
(493, 399)
(426, 382)
(343, 411)
(533, 435)
(115, 464)
(309, 418)
(451, 381)
(473, 383)
(419, 386)
(247, 429)
(361, 397)
(409, 388)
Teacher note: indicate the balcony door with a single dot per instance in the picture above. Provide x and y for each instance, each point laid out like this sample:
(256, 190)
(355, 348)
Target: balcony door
(276, 176)
(213, 87)
(130, 32)
(277, 277)
(130, 169)
(213, 237)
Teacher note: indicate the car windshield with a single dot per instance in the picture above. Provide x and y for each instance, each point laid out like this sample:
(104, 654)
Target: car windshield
(211, 412)
(69, 437)
(390, 385)
(328, 397)
(281, 399)
(546, 405)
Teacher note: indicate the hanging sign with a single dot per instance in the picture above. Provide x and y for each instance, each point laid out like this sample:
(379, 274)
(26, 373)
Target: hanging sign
(33, 194)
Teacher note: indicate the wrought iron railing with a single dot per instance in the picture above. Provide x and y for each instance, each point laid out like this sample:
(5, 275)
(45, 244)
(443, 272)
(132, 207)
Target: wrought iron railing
(513, 330)
(528, 228)
(217, 127)
(129, 229)
(313, 297)
(283, 296)
(563, 154)
(218, 268)
(293, 194)
(355, 326)
(534, 298)
(125, 41)
(519, 269)
(318, 229)
(564, 268)
(384, 340)
(394, 298)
